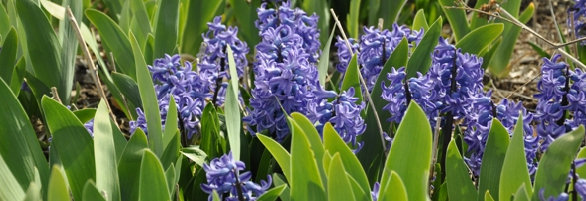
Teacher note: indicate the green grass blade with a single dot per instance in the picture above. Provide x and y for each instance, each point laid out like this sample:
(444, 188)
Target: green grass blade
(414, 133)
(555, 164)
(73, 143)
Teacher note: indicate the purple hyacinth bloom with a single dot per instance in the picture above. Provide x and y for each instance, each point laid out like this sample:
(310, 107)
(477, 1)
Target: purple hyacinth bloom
(376, 47)
(223, 175)
(395, 94)
(89, 126)
(577, 98)
(285, 68)
(561, 197)
(581, 188)
(189, 89)
(375, 191)
(342, 111)
(213, 65)
(344, 53)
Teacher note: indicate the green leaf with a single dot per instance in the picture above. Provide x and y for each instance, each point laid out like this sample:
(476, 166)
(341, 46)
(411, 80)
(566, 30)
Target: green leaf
(394, 190)
(171, 123)
(359, 194)
(352, 79)
(321, 9)
(4, 22)
(233, 121)
(12, 190)
(306, 183)
(215, 196)
(127, 85)
(69, 44)
(42, 49)
(105, 154)
(479, 39)
(170, 176)
(390, 10)
(58, 190)
(113, 37)
(420, 60)
(457, 18)
(334, 144)
(352, 22)
(493, 158)
(18, 76)
(460, 186)
(140, 24)
(280, 154)
(527, 14)
(129, 165)
(166, 28)
(514, 172)
(338, 184)
(86, 114)
(8, 56)
(199, 13)
(372, 155)
(313, 137)
(195, 154)
(419, 21)
(582, 169)
(324, 60)
(21, 153)
(488, 197)
(555, 164)
(232, 70)
(212, 142)
(285, 196)
(172, 151)
(245, 15)
(73, 143)
(539, 50)
(149, 100)
(414, 133)
(273, 193)
(521, 194)
(498, 64)
(34, 192)
(91, 193)
(153, 185)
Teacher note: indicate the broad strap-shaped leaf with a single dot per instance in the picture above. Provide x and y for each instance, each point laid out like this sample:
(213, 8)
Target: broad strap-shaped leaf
(245, 15)
(166, 27)
(352, 79)
(410, 154)
(105, 154)
(212, 142)
(231, 107)
(394, 190)
(492, 160)
(420, 60)
(8, 55)
(116, 41)
(129, 166)
(21, 153)
(352, 21)
(514, 172)
(58, 189)
(555, 164)
(199, 13)
(306, 182)
(460, 186)
(324, 60)
(456, 17)
(130, 89)
(153, 184)
(419, 21)
(479, 39)
(280, 154)
(521, 194)
(91, 193)
(12, 190)
(73, 143)
(338, 184)
(273, 193)
(69, 44)
(171, 123)
(313, 137)
(149, 100)
(139, 24)
(372, 156)
(321, 9)
(170, 176)
(334, 144)
(33, 193)
(581, 171)
(389, 11)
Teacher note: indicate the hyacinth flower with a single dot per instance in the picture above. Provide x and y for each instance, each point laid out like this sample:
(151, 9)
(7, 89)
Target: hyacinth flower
(187, 87)
(213, 65)
(285, 68)
(89, 126)
(342, 111)
(552, 103)
(577, 19)
(375, 191)
(223, 176)
(374, 49)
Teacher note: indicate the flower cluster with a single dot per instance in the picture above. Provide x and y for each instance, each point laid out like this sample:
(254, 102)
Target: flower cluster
(373, 49)
(561, 100)
(285, 68)
(223, 176)
(342, 112)
(193, 89)
(213, 65)
(578, 19)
